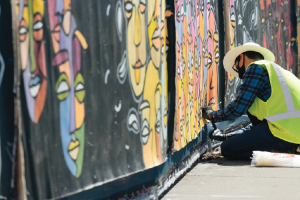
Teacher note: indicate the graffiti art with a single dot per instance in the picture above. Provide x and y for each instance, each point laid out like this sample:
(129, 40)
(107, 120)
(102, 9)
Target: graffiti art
(197, 62)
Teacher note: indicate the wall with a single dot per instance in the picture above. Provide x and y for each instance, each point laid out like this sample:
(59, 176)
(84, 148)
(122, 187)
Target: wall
(272, 24)
(198, 71)
(94, 91)
(6, 102)
(112, 91)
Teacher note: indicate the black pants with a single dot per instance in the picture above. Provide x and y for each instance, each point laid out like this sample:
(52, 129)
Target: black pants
(258, 138)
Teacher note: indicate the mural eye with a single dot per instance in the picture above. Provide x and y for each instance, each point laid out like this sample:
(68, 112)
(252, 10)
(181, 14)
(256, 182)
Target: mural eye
(22, 30)
(133, 121)
(142, 6)
(38, 25)
(178, 70)
(145, 132)
(157, 123)
(62, 87)
(22, 33)
(79, 87)
(209, 61)
(232, 18)
(128, 9)
(181, 11)
(178, 16)
(217, 56)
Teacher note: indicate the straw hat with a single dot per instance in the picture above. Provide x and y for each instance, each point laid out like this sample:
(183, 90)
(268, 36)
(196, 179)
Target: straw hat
(230, 57)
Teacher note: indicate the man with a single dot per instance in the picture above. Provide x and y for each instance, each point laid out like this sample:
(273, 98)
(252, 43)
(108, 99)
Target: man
(269, 95)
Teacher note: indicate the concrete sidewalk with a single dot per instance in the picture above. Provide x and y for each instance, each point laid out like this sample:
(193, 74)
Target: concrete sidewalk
(226, 179)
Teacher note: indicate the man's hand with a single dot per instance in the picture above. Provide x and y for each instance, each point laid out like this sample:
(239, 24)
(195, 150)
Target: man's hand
(217, 135)
(206, 111)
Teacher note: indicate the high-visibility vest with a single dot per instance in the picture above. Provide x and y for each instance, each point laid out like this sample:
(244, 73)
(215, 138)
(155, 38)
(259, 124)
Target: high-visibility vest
(282, 109)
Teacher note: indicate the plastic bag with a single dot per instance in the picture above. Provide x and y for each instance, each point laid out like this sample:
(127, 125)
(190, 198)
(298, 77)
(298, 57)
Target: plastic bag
(263, 158)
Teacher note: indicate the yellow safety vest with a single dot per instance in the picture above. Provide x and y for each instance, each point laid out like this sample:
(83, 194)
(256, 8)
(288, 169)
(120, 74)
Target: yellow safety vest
(282, 109)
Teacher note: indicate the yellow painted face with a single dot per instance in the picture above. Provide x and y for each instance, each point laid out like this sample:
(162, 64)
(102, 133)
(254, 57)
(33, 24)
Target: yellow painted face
(155, 28)
(136, 43)
(149, 109)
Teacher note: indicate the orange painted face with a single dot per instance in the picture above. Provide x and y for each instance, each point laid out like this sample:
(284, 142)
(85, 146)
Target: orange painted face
(136, 43)
(32, 53)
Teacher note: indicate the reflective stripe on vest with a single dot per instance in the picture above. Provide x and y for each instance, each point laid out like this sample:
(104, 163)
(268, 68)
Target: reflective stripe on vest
(291, 113)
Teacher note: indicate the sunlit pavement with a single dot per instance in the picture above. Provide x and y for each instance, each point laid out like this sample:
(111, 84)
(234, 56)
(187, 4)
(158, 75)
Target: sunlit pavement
(226, 179)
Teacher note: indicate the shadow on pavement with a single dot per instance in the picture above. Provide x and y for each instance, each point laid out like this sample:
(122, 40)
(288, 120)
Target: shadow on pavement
(226, 162)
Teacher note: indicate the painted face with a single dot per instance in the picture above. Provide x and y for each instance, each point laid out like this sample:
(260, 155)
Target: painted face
(32, 51)
(164, 81)
(155, 27)
(179, 19)
(70, 86)
(136, 43)
(151, 125)
(213, 61)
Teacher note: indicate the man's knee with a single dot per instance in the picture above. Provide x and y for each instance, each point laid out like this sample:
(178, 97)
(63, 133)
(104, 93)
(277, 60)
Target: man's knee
(226, 151)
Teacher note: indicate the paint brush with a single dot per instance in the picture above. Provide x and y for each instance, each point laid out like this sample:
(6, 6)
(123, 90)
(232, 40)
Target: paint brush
(217, 104)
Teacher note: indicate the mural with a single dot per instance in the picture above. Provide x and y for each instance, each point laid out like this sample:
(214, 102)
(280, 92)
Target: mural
(67, 42)
(30, 14)
(148, 76)
(94, 94)
(197, 62)
(6, 102)
(233, 83)
(268, 23)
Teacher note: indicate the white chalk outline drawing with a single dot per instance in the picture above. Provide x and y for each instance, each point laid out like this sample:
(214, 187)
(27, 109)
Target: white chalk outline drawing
(122, 69)
(130, 119)
(119, 19)
(118, 107)
(246, 35)
(107, 10)
(245, 2)
(254, 18)
(106, 76)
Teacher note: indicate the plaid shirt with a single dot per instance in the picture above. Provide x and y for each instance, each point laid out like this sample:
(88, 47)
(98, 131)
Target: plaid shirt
(256, 83)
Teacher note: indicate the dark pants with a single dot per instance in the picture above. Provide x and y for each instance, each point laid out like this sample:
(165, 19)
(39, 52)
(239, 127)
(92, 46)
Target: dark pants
(258, 138)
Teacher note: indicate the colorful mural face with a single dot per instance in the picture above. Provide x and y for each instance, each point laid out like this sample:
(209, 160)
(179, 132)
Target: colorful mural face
(30, 15)
(70, 86)
(135, 11)
(148, 79)
(197, 61)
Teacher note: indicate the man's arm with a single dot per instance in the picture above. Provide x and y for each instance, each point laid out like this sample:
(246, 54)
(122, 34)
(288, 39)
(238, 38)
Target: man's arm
(253, 81)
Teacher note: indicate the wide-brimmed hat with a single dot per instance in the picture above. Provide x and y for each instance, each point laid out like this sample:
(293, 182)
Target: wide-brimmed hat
(230, 57)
